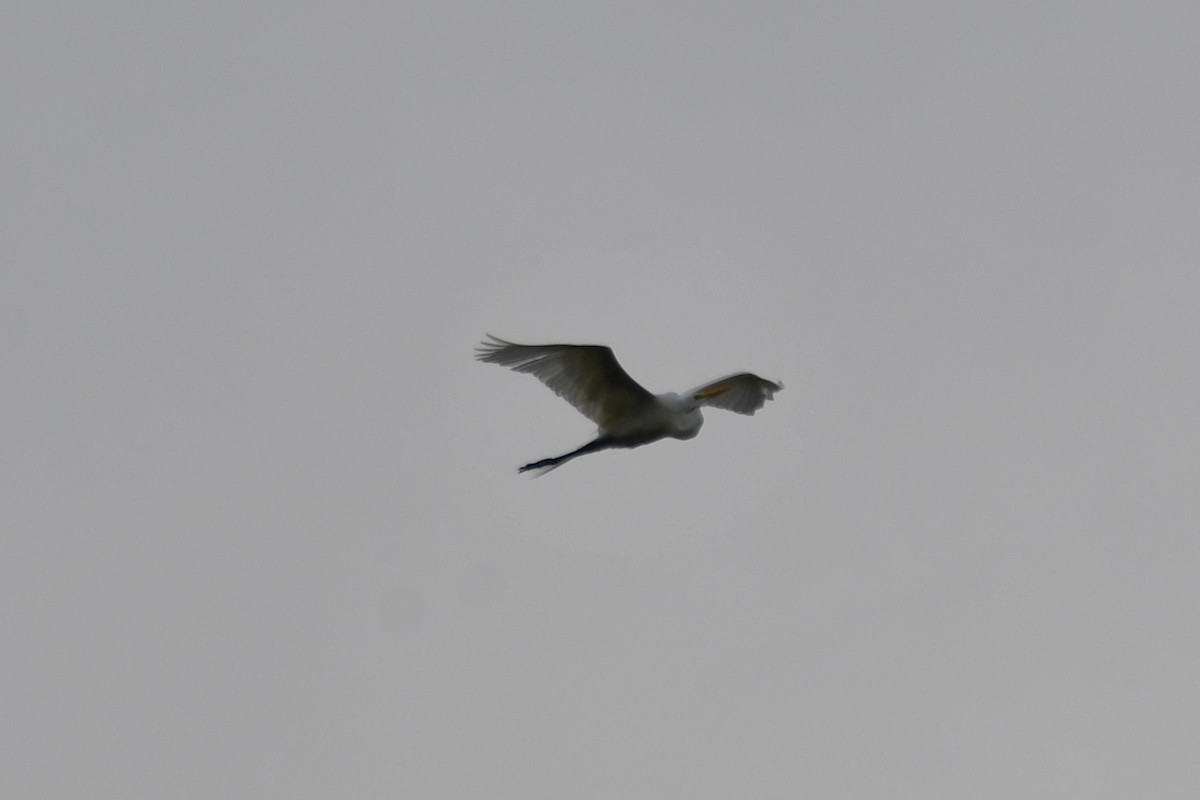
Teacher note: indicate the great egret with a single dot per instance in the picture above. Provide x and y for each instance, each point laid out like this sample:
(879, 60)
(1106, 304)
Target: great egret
(589, 378)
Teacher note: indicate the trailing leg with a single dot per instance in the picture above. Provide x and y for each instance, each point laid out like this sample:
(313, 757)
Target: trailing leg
(547, 464)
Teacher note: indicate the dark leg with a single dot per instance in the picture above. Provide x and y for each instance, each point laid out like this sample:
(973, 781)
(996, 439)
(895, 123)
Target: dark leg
(550, 463)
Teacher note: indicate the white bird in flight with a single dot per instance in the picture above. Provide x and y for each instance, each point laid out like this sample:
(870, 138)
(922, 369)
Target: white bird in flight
(589, 378)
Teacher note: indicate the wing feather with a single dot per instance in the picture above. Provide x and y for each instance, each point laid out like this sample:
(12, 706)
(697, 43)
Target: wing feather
(586, 376)
(743, 393)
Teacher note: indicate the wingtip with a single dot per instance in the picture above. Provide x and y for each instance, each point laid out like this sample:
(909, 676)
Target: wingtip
(488, 345)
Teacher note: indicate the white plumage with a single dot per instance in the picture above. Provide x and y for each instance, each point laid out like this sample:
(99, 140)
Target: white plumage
(589, 378)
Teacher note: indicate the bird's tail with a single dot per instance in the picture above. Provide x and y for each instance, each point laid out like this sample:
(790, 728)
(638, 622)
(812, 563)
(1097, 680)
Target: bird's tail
(547, 464)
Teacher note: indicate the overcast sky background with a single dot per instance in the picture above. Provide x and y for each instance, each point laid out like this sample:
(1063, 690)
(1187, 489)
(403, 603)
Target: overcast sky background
(263, 533)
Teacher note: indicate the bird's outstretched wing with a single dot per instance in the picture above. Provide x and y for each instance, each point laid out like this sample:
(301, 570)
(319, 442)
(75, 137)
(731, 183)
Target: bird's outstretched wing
(743, 393)
(586, 376)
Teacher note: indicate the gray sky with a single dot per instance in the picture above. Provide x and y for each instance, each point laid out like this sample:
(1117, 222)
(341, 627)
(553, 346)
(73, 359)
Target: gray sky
(263, 532)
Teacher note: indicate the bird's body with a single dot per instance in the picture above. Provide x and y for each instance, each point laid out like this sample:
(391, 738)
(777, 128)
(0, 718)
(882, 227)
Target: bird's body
(589, 378)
